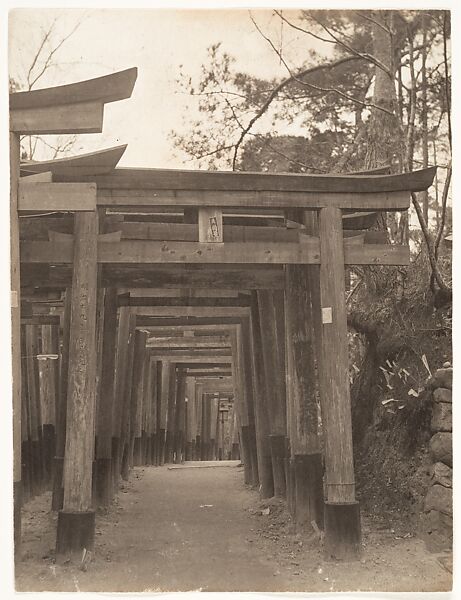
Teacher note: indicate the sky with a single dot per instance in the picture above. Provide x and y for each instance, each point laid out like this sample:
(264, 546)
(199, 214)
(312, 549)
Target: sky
(158, 42)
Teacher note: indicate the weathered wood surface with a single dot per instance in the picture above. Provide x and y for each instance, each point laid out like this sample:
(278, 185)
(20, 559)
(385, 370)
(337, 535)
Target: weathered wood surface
(15, 302)
(86, 117)
(192, 311)
(333, 363)
(92, 163)
(142, 252)
(57, 197)
(82, 369)
(187, 342)
(373, 201)
(172, 179)
(300, 367)
(155, 302)
(108, 88)
(106, 400)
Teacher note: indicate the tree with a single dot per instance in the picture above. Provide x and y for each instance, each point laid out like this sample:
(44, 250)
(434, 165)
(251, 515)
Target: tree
(359, 108)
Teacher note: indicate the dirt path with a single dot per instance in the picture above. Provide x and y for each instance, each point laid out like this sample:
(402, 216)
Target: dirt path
(203, 529)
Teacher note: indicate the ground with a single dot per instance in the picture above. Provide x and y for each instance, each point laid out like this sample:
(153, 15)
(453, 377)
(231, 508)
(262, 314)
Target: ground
(201, 528)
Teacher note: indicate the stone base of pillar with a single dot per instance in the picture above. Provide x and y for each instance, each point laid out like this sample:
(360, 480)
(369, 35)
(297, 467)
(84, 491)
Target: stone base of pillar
(58, 490)
(342, 531)
(75, 533)
(198, 446)
(308, 490)
(278, 453)
(104, 481)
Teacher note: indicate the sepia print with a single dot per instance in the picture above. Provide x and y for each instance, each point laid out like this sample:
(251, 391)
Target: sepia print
(231, 299)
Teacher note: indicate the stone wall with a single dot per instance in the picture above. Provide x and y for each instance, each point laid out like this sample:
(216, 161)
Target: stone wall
(437, 519)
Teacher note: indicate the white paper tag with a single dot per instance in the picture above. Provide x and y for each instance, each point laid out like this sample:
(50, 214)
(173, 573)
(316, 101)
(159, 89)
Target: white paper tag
(327, 315)
(14, 299)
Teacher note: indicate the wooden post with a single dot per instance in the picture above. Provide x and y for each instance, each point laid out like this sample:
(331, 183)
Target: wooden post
(265, 470)
(301, 399)
(235, 451)
(36, 450)
(126, 439)
(191, 424)
(199, 418)
(180, 416)
(342, 516)
(105, 408)
(213, 426)
(137, 394)
(273, 346)
(163, 408)
(242, 410)
(47, 365)
(146, 431)
(123, 333)
(171, 414)
(61, 407)
(26, 475)
(15, 337)
(76, 522)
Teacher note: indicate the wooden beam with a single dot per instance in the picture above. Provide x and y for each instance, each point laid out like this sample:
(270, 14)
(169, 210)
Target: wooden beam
(85, 117)
(156, 302)
(191, 311)
(41, 177)
(177, 293)
(140, 252)
(371, 201)
(198, 372)
(108, 88)
(92, 163)
(57, 197)
(182, 342)
(214, 181)
(191, 357)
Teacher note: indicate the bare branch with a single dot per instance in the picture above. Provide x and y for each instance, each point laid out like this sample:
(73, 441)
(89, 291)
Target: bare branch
(52, 52)
(352, 50)
(361, 14)
(430, 247)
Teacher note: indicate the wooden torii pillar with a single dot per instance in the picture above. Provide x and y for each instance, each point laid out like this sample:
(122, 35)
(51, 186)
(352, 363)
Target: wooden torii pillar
(75, 108)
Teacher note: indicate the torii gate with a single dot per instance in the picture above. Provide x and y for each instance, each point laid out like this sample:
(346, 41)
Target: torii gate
(305, 259)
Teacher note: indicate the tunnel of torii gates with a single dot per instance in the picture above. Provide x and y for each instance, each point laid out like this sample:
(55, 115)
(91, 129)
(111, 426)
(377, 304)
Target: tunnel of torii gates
(162, 315)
